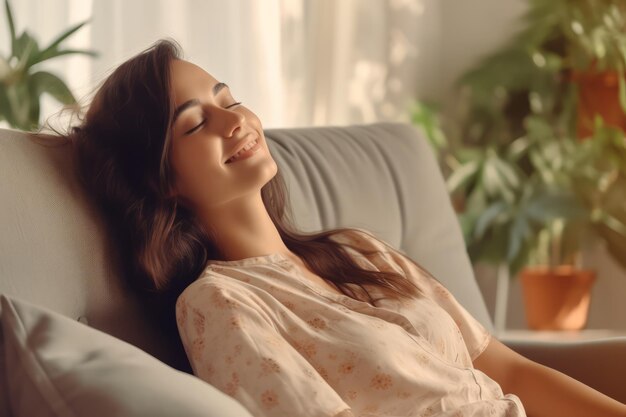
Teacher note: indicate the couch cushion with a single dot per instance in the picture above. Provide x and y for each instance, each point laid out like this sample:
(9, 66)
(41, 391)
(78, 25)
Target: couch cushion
(4, 382)
(382, 177)
(54, 251)
(60, 367)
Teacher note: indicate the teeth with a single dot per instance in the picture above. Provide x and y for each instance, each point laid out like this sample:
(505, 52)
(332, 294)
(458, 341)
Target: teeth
(245, 148)
(248, 146)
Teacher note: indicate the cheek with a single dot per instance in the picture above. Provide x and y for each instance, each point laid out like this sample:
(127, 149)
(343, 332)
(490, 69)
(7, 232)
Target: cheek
(195, 167)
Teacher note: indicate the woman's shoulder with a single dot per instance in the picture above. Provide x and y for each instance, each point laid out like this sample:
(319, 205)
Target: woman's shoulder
(215, 287)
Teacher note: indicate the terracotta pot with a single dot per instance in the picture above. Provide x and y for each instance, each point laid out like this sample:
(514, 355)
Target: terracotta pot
(558, 298)
(598, 93)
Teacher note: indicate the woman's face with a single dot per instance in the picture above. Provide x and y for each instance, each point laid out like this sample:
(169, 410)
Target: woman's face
(209, 127)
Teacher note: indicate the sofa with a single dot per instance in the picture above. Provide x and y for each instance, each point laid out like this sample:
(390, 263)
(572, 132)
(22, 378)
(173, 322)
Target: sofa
(76, 341)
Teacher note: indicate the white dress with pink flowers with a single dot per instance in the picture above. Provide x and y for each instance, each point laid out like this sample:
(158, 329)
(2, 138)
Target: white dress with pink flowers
(261, 332)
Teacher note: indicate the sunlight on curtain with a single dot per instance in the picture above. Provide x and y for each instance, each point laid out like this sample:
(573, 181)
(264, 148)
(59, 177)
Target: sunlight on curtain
(293, 62)
(353, 61)
(236, 41)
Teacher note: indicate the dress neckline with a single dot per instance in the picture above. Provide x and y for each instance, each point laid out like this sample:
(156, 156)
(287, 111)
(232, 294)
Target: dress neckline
(254, 260)
(278, 258)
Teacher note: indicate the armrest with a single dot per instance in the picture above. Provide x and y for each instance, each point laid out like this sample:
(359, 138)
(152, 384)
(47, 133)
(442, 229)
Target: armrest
(600, 363)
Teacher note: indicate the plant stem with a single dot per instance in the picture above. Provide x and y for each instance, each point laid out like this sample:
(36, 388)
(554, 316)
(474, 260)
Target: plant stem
(556, 239)
(502, 294)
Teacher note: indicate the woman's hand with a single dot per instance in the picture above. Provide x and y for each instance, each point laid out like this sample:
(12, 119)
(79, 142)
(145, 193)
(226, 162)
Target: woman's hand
(544, 392)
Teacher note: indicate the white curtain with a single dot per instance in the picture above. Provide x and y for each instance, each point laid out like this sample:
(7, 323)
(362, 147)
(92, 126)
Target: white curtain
(351, 61)
(293, 62)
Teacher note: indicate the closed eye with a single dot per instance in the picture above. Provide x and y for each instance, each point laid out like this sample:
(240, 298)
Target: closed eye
(199, 125)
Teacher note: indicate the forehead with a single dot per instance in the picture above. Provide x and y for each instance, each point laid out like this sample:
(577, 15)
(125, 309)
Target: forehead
(188, 80)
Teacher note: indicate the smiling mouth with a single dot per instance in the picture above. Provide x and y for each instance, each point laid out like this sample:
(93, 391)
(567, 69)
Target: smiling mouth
(244, 152)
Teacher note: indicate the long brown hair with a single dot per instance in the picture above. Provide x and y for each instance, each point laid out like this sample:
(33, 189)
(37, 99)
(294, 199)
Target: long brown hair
(121, 154)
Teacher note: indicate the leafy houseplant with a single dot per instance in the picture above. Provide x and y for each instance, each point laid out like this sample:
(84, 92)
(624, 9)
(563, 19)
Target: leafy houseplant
(21, 83)
(565, 47)
(593, 35)
(526, 188)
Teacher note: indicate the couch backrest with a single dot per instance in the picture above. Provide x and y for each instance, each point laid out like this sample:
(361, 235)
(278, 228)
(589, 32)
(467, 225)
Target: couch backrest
(383, 177)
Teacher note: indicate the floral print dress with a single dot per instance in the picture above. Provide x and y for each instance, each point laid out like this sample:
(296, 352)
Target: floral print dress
(261, 332)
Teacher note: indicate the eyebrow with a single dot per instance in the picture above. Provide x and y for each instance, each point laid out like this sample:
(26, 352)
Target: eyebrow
(195, 102)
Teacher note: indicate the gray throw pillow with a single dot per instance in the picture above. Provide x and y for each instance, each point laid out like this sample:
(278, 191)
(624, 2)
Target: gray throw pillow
(54, 366)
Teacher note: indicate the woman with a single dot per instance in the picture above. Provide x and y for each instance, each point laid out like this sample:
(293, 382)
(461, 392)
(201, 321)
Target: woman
(336, 323)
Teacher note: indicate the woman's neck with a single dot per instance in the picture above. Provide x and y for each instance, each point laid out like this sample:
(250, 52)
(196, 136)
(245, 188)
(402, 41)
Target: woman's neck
(244, 229)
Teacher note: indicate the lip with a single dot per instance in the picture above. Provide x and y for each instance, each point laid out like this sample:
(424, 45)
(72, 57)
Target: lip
(242, 143)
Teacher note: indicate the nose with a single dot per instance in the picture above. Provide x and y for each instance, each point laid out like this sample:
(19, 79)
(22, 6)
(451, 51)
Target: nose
(230, 121)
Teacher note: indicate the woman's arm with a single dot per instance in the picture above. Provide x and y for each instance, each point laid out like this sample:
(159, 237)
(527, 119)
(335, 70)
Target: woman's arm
(544, 392)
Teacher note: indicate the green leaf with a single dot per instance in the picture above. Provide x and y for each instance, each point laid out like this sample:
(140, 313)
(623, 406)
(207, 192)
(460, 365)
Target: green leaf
(611, 222)
(467, 154)
(467, 221)
(538, 128)
(54, 53)
(507, 172)
(461, 176)
(520, 231)
(542, 166)
(494, 185)
(11, 26)
(598, 43)
(518, 148)
(6, 111)
(520, 261)
(34, 108)
(45, 82)
(487, 218)
(544, 207)
(511, 69)
(19, 103)
(477, 200)
(55, 43)
(5, 70)
(490, 178)
(475, 204)
(536, 102)
(25, 48)
(492, 249)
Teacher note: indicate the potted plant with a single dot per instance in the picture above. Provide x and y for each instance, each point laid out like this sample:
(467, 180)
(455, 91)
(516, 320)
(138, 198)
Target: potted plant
(527, 206)
(585, 178)
(22, 83)
(527, 192)
(589, 36)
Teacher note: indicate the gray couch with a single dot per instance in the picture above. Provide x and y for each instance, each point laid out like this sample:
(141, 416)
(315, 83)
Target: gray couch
(58, 266)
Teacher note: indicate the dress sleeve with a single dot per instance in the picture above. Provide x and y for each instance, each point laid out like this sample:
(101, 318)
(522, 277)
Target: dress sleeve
(232, 344)
(475, 335)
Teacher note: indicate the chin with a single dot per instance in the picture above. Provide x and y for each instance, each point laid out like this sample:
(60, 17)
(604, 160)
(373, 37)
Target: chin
(272, 169)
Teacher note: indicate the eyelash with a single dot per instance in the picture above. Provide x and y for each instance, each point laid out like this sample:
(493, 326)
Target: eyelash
(193, 129)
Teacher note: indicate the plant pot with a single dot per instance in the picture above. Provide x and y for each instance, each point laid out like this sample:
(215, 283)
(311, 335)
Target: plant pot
(598, 94)
(557, 298)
